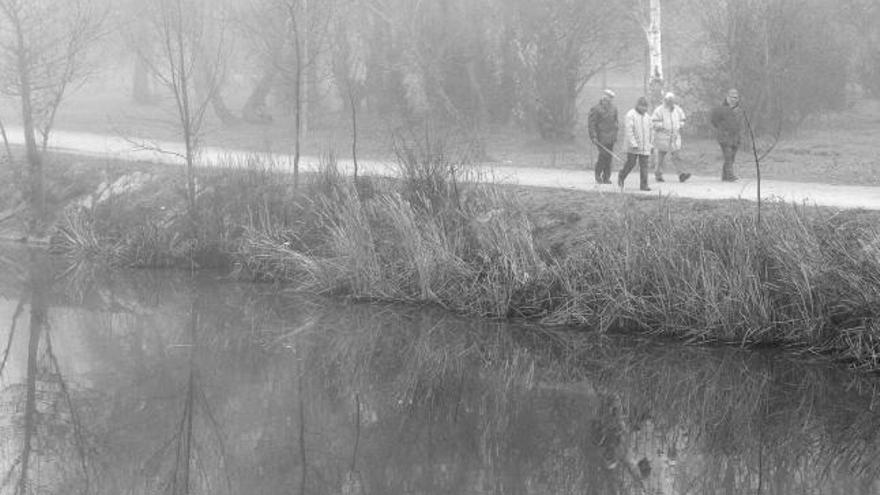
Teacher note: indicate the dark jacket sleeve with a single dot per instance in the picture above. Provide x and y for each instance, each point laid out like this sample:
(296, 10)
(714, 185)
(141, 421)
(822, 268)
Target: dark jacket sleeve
(616, 126)
(593, 124)
(715, 116)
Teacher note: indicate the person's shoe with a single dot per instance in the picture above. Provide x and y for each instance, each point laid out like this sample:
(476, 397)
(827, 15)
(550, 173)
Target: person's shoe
(606, 181)
(731, 178)
(645, 188)
(620, 182)
(659, 178)
(684, 177)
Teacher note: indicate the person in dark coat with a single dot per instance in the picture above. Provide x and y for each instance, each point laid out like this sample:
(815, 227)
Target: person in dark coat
(602, 124)
(727, 120)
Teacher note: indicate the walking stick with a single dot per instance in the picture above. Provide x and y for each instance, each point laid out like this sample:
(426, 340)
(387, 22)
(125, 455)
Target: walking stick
(614, 155)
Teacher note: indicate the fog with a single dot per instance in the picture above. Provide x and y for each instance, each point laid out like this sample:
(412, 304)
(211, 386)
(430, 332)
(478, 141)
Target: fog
(504, 82)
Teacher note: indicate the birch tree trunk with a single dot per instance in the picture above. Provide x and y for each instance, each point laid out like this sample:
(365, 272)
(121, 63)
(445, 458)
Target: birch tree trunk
(654, 42)
(655, 52)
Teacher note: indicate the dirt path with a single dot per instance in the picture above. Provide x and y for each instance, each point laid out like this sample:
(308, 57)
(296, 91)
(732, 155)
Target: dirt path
(697, 187)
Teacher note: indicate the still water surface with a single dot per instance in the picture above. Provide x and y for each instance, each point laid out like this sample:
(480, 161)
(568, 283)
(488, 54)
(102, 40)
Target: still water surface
(153, 383)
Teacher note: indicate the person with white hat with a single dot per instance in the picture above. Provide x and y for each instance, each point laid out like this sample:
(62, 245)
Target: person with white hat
(668, 120)
(603, 128)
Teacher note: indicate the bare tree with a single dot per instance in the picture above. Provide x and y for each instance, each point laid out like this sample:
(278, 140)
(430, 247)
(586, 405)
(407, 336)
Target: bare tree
(51, 425)
(308, 23)
(561, 45)
(134, 30)
(44, 46)
(778, 53)
(350, 68)
(862, 17)
(262, 27)
(188, 60)
(296, 11)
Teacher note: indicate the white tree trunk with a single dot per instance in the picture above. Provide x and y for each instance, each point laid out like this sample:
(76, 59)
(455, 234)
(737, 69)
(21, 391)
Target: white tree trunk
(655, 53)
(654, 44)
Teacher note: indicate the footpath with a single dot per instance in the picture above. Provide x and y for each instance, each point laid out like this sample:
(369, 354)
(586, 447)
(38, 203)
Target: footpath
(698, 187)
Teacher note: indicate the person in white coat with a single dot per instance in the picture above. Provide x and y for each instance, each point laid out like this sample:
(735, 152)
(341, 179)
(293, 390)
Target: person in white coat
(668, 119)
(639, 132)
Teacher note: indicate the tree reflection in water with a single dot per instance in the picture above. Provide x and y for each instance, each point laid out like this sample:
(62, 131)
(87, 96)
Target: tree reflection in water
(166, 385)
(186, 458)
(50, 425)
(498, 410)
(54, 441)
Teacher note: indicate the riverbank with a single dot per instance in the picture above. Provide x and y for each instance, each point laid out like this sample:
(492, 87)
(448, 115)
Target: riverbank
(703, 271)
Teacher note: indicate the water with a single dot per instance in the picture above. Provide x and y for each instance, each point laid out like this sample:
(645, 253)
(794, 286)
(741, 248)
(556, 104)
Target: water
(150, 382)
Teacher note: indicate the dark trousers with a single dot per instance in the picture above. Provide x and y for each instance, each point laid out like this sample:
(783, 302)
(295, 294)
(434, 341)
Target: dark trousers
(631, 159)
(729, 152)
(603, 163)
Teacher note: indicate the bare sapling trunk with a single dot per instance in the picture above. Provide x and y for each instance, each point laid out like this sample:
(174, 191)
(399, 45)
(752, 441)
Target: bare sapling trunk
(35, 167)
(34, 157)
(183, 99)
(298, 97)
(307, 67)
(352, 101)
(187, 56)
(189, 149)
(6, 146)
(757, 163)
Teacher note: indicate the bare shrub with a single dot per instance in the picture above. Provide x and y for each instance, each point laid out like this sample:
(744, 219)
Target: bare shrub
(781, 56)
(431, 163)
(560, 45)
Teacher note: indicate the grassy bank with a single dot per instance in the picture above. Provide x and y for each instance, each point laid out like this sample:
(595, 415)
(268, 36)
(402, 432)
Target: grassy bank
(805, 278)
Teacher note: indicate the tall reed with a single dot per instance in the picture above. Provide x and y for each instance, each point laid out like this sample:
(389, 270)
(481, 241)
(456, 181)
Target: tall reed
(803, 277)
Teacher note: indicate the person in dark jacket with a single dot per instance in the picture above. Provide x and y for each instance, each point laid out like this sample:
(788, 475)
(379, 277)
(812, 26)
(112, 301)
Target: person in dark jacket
(602, 124)
(727, 121)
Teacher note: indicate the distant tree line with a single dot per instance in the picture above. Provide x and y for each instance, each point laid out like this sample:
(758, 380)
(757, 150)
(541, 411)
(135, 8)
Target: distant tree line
(526, 62)
(471, 62)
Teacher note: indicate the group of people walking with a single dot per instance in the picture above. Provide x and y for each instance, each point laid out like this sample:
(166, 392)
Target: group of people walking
(646, 132)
